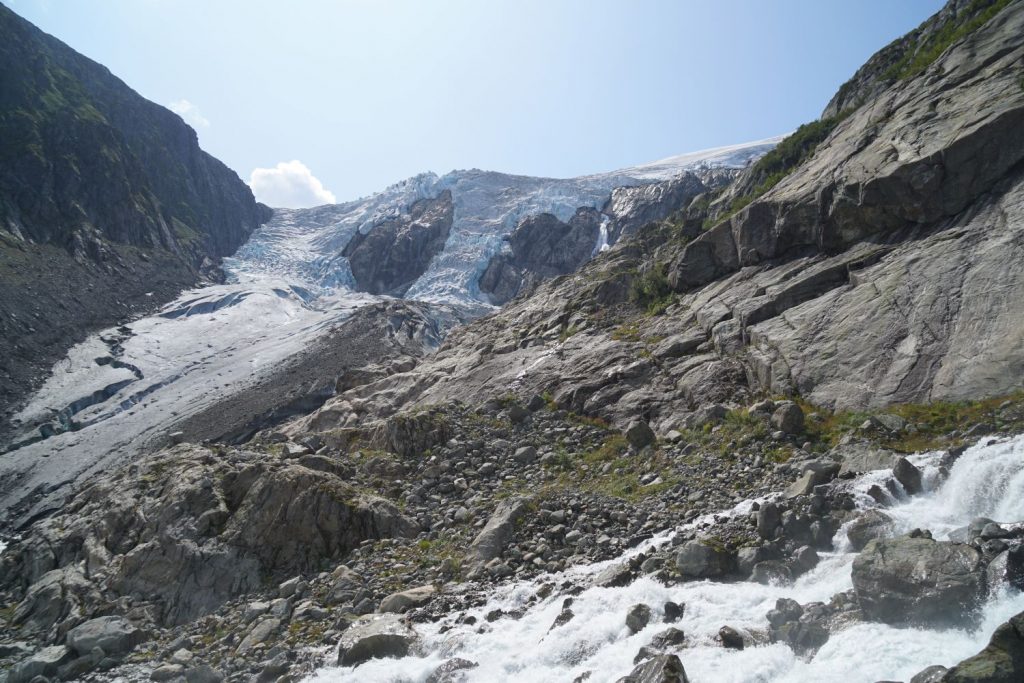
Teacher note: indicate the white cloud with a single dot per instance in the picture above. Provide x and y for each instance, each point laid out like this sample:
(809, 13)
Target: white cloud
(190, 113)
(289, 185)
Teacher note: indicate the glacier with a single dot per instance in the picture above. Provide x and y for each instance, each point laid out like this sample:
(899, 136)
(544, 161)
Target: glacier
(123, 390)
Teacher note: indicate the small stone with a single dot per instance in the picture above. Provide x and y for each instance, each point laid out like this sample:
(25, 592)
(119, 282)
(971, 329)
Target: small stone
(638, 617)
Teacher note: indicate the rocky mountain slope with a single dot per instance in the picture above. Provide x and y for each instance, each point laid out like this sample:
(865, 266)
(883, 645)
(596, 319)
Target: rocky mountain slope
(107, 204)
(884, 269)
(752, 439)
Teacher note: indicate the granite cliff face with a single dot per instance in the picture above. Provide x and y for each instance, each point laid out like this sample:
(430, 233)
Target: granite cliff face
(886, 268)
(105, 197)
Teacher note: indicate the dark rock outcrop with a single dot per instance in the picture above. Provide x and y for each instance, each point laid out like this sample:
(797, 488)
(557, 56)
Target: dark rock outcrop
(916, 580)
(1002, 660)
(396, 251)
(541, 247)
(104, 197)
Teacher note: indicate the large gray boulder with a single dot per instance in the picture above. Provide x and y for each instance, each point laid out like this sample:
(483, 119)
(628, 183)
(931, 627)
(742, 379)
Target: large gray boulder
(45, 662)
(704, 560)
(1002, 660)
(496, 534)
(871, 524)
(375, 636)
(403, 601)
(114, 635)
(919, 581)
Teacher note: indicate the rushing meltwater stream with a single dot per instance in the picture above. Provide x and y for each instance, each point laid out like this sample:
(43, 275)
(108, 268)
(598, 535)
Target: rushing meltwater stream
(986, 481)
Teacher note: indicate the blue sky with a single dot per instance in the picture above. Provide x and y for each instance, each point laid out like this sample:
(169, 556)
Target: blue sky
(338, 99)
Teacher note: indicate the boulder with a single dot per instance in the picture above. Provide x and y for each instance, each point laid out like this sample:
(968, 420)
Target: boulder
(492, 539)
(375, 636)
(638, 617)
(815, 473)
(46, 663)
(871, 524)
(730, 638)
(1002, 660)
(706, 415)
(919, 581)
(908, 475)
(788, 418)
(449, 671)
(858, 458)
(769, 517)
(525, 455)
(405, 600)
(931, 674)
(639, 434)
(660, 669)
(701, 560)
(114, 635)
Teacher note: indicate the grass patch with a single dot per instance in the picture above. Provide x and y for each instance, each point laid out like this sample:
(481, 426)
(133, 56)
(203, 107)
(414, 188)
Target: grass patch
(652, 291)
(914, 61)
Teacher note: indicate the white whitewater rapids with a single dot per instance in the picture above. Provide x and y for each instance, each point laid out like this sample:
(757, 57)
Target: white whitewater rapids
(987, 480)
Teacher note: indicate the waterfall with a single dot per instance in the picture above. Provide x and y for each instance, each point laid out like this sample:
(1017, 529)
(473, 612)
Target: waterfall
(602, 236)
(987, 480)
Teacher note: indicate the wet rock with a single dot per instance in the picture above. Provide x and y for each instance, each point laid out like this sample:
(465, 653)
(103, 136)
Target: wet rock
(614, 576)
(730, 638)
(932, 674)
(1002, 660)
(871, 524)
(772, 572)
(408, 599)
(639, 434)
(919, 581)
(374, 637)
(1007, 567)
(660, 669)
(702, 560)
(769, 518)
(114, 635)
(638, 617)
(673, 612)
(907, 475)
(449, 671)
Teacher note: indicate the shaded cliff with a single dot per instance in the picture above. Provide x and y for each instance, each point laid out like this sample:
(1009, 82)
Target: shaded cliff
(107, 203)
